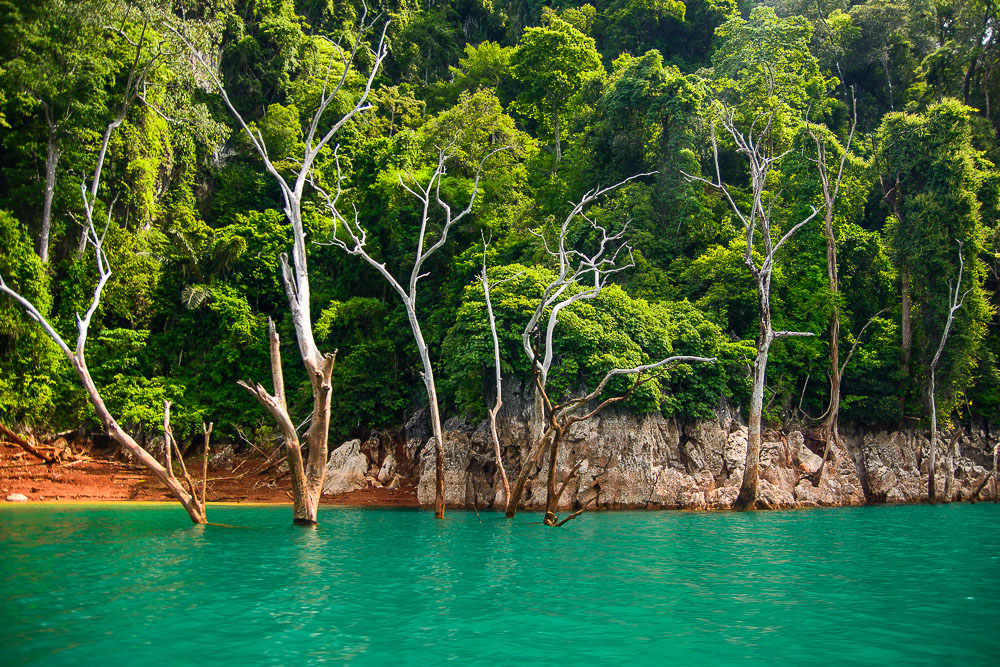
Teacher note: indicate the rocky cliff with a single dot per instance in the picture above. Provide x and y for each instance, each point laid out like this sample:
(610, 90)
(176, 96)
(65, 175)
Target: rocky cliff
(649, 461)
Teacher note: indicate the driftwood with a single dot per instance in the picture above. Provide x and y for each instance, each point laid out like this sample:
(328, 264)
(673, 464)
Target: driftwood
(14, 438)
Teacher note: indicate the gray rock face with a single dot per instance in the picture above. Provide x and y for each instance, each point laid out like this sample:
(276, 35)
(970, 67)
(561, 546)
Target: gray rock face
(223, 458)
(649, 461)
(346, 469)
(388, 469)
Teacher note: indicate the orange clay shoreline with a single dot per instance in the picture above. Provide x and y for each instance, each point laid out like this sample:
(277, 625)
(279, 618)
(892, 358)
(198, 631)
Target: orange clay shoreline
(108, 480)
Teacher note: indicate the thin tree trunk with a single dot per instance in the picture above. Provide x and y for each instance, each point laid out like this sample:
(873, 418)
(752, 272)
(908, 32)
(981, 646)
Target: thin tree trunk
(51, 163)
(496, 449)
(438, 444)
(25, 445)
(204, 465)
(831, 427)
(906, 326)
(550, 483)
(304, 503)
(527, 467)
(432, 400)
(498, 377)
(932, 454)
(747, 497)
(996, 483)
(557, 132)
(116, 433)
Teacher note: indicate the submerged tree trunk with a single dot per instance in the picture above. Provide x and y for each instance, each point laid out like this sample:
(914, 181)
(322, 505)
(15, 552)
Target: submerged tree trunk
(495, 410)
(306, 476)
(747, 498)
(955, 301)
(932, 452)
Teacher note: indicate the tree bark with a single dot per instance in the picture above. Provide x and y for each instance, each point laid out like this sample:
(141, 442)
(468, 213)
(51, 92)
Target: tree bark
(932, 453)
(116, 433)
(498, 377)
(747, 498)
(25, 445)
(558, 135)
(306, 477)
(906, 331)
(831, 426)
(51, 163)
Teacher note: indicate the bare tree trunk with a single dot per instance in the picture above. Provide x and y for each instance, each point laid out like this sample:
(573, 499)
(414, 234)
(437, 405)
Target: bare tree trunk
(996, 483)
(207, 430)
(906, 330)
(747, 497)
(116, 433)
(306, 484)
(949, 474)
(137, 77)
(932, 453)
(550, 485)
(556, 130)
(307, 476)
(495, 410)
(51, 163)
(25, 445)
(955, 301)
(527, 468)
(438, 441)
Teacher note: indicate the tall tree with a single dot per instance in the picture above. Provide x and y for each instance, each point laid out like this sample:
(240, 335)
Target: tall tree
(188, 497)
(332, 103)
(551, 63)
(60, 63)
(930, 176)
(756, 146)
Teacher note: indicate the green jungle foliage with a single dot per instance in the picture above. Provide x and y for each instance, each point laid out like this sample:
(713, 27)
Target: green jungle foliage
(581, 95)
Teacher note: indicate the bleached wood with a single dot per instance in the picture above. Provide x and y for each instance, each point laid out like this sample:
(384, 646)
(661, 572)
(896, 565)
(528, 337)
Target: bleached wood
(307, 486)
(755, 146)
(76, 356)
(955, 303)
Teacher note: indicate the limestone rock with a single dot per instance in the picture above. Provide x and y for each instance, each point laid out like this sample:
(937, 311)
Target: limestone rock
(222, 458)
(346, 469)
(388, 470)
(17, 498)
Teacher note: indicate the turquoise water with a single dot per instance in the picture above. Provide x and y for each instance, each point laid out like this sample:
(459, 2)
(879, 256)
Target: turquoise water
(138, 585)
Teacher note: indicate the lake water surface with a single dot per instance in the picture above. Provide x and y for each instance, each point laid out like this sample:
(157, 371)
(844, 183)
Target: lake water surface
(139, 585)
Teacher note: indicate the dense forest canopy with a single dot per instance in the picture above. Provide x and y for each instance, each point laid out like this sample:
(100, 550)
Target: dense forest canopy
(577, 96)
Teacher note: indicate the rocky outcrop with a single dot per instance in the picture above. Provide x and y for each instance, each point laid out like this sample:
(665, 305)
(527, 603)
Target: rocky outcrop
(345, 469)
(628, 460)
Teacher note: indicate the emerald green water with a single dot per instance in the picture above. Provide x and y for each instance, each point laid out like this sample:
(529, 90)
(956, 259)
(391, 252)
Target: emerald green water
(139, 585)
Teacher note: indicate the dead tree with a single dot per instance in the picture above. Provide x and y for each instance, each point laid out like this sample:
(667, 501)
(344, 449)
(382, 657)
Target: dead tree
(498, 376)
(575, 269)
(956, 299)
(170, 446)
(757, 147)
(76, 355)
(563, 416)
(351, 237)
(307, 474)
(831, 190)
